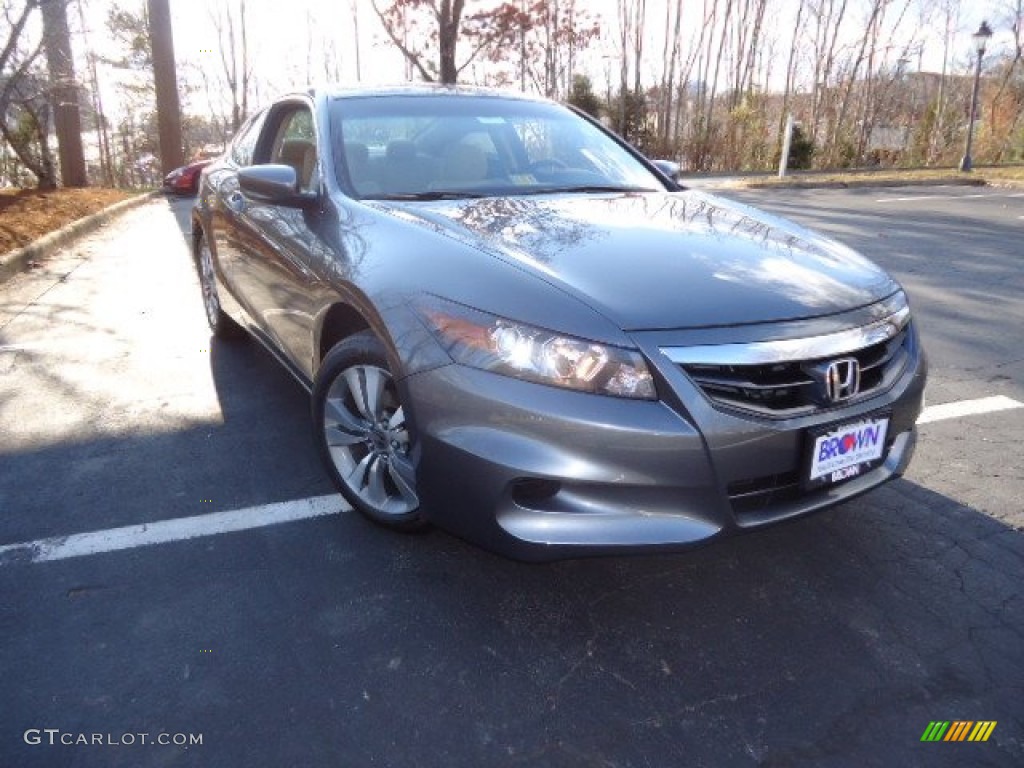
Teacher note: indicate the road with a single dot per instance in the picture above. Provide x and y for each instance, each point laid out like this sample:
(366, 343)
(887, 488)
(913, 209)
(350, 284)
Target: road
(834, 640)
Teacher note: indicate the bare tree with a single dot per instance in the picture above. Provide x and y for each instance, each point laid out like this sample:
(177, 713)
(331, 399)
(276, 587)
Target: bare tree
(670, 57)
(791, 67)
(24, 102)
(355, 40)
(233, 33)
(632, 16)
(28, 134)
(548, 37)
(625, 26)
(712, 91)
(1008, 100)
(16, 25)
(827, 17)
(443, 32)
(639, 24)
(100, 118)
(870, 38)
(951, 15)
(131, 55)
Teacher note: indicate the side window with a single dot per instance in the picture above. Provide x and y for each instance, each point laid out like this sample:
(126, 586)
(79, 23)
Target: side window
(295, 145)
(244, 144)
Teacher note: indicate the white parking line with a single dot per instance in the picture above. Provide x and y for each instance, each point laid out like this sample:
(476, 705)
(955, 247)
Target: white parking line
(968, 408)
(914, 199)
(164, 531)
(185, 528)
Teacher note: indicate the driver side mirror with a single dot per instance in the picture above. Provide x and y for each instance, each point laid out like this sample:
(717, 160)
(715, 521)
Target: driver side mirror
(275, 184)
(668, 168)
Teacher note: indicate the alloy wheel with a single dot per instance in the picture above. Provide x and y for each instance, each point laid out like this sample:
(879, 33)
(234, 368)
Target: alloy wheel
(368, 442)
(211, 302)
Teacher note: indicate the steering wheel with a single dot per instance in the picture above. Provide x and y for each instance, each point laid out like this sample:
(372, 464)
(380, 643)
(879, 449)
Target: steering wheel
(548, 164)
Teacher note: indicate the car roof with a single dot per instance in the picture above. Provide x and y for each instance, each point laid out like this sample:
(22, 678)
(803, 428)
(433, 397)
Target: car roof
(419, 89)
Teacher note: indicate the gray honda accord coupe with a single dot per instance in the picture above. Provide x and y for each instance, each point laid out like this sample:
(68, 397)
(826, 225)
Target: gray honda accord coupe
(515, 327)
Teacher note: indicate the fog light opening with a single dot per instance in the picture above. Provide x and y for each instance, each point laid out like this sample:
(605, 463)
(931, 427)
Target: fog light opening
(531, 491)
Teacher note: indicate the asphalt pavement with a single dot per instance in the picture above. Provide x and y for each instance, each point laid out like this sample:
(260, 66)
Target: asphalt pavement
(831, 641)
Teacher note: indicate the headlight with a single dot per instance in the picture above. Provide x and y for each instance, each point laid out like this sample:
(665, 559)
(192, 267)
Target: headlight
(492, 343)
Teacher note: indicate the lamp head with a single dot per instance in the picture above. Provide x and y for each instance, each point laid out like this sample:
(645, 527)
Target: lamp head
(981, 37)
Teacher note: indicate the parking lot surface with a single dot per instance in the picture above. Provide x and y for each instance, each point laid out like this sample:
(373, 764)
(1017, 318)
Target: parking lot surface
(294, 633)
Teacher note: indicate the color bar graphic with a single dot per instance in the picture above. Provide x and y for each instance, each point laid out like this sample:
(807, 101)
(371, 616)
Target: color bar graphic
(958, 730)
(982, 731)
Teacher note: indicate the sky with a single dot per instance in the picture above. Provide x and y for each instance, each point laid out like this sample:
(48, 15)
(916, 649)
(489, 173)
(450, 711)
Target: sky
(293, 39)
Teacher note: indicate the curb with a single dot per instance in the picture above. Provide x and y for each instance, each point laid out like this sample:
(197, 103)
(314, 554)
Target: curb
(13, 262)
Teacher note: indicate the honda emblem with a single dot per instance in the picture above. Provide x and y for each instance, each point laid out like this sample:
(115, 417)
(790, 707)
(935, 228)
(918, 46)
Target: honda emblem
(842, 379)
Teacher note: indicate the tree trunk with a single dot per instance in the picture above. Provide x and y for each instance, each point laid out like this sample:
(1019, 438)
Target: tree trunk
(790, 74)
(640, 11)
(671, 56)
(168, 108)
(624, 31)
(714, 79)
(64, 93)
(355, 40)
(448, 35)
(246, 65)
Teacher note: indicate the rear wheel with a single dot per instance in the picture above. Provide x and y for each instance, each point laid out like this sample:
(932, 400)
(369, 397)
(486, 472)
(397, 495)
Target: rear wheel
(222, 326)
(362, 434)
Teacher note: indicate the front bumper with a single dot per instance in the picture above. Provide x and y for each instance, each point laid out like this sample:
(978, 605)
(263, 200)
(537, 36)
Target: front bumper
(540, 473)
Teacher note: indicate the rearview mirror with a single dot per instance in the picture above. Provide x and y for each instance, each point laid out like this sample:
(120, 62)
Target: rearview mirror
(277, 184)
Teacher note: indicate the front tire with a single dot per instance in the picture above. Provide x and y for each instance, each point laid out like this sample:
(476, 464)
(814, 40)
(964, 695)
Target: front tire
(362, 435)
(223, 327)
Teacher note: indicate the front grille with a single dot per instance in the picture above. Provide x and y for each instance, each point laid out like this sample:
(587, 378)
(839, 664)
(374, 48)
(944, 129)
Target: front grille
(787, 389)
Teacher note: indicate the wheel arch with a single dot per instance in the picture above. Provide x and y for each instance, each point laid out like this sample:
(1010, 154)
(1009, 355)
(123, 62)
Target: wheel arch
(409, 345)
(337, 322)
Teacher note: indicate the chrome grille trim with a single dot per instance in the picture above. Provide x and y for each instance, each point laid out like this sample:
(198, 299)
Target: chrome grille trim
(792, 350)
(793, 388)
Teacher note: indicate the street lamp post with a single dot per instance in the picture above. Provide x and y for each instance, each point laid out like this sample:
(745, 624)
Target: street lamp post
(980, 39)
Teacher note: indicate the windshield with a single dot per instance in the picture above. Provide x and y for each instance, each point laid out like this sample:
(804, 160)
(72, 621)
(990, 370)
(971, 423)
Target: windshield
(431, 147)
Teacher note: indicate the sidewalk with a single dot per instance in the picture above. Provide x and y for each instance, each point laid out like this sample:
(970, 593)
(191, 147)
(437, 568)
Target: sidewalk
(13, 262)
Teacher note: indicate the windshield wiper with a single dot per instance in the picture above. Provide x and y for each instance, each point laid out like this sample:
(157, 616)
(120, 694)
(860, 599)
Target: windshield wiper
(434, 194)
(453, 194)
(584, 188)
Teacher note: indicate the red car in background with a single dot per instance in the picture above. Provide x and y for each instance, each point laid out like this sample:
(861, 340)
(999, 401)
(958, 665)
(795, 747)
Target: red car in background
(185, 180)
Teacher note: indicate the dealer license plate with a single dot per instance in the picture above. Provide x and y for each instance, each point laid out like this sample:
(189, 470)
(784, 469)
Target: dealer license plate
(846, 451)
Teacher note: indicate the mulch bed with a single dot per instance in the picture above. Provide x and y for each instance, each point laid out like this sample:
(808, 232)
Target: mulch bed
(28, 214)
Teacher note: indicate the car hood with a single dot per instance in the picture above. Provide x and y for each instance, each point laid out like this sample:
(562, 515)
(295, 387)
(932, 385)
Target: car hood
(663, 260)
